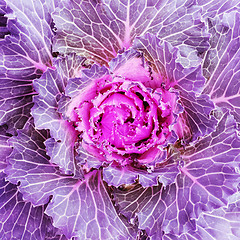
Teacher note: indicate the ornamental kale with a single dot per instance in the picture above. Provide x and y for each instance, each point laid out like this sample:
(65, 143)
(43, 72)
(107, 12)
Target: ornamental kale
(119, 119)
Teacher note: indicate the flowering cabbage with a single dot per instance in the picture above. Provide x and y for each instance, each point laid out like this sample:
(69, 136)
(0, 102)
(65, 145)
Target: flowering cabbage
(119, 119)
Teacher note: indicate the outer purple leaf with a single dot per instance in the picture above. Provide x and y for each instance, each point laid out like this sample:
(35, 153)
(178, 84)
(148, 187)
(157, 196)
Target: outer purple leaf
(20, 219)
(198, 114)
(99, 29)
(16, 85)
(5, 149)
(3, 29)
(132, 198)
(80, 208)
(219, 224)
(23, 57)
(158, 202)
(87, 211)
(207, 179)
(33, 24)
(222, 62)
(217, 7)
(188, 81)
(50, 88)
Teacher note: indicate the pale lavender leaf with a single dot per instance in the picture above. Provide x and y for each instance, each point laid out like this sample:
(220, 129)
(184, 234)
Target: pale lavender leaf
(84, 157)
(80, 208)
(50, 88)
(57, 237)
(220, 224)
(4, 9)
(100, 29)
(84, 210)
(16, 75)
(118, 175)
(130, 199)
(190, 236)
(222, 62)
(29, 164)
(55, 233)
(164, 173)
(170, 237)
(198, 111)
(163, 58)
(206, 182)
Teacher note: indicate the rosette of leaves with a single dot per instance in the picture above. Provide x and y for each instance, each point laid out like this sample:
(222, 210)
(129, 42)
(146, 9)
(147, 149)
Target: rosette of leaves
(119, 119)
